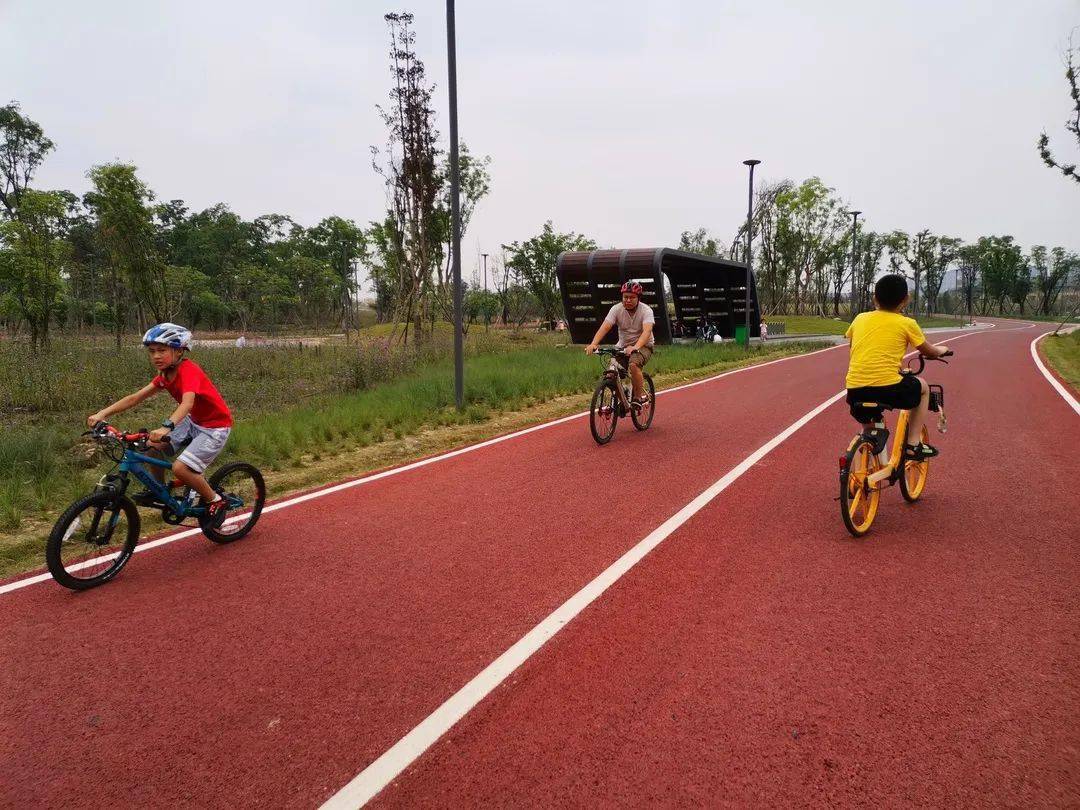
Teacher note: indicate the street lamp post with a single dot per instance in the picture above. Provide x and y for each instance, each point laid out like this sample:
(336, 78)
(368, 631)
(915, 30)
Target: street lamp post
(455, 209)
(854, 271)
(749, 242)
(485, 270)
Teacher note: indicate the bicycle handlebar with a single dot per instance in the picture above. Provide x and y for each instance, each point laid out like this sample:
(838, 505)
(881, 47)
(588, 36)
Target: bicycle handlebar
(922, 362)
(605, 350)
(103, 429)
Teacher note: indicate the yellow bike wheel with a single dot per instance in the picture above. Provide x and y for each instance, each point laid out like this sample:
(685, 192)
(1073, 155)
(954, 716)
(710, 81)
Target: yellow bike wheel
(913, 481)
(859, 498)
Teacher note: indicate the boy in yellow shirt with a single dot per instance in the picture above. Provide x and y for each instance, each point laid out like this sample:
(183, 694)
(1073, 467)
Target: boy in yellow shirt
(879, 341)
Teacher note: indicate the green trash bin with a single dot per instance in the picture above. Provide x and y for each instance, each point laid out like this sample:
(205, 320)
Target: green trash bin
(741, 335)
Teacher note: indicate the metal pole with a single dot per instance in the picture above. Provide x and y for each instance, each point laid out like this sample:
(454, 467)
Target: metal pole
(455, 211)
(485, 270)
(918, 268)
(854, 268)
(749, 242)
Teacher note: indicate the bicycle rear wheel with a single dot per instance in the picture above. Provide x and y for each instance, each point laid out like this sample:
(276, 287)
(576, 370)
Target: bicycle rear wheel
(92, 540)
(913, 481)
(859, 498)
(604, 411)
(642, 417)
(243, 487)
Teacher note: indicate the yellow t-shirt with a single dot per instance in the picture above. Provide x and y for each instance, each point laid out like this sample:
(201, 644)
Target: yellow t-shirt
(879, 341)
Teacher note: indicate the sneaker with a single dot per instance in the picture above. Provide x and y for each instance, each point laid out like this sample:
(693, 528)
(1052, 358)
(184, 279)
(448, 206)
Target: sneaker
(216, 511)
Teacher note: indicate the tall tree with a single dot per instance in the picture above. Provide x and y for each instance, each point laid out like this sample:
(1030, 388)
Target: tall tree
(968, 259)
(810, 223)
(1052, 274)
(999, 261)
(23, 146)
(474, 181)
(838, 272)
(382, 260)
(871, 247)
(700, 241)
(125, 235)
(1072, 125)
(535, 259)
(341, 244)
(33, 257)
(409, 165)
(771, 269)
(945, 253)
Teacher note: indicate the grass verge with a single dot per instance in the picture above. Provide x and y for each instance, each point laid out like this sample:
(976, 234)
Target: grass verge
(328, 437)
(1063, 354)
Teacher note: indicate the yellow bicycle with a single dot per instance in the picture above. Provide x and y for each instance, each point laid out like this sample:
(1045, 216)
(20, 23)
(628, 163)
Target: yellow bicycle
(865, 469)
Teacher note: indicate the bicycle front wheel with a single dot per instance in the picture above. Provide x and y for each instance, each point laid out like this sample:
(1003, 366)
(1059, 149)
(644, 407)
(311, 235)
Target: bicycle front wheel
(642, 416)
(92, 540)
(858, 497)
(913, 481)
(604, 411)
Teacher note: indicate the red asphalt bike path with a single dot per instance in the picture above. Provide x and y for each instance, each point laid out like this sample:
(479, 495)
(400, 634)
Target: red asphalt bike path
(272, 670)
(763, 657)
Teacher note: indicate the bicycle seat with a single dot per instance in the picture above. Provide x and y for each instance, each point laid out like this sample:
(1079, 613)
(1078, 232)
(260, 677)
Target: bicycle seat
(872, 405)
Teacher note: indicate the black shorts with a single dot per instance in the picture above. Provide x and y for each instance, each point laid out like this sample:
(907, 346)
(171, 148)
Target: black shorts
(903, 395)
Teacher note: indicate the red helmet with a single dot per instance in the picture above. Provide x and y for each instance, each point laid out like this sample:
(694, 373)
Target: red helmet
(632, 287)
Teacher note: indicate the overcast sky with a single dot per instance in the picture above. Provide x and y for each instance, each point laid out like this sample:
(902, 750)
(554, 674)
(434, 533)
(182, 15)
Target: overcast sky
(626, 120)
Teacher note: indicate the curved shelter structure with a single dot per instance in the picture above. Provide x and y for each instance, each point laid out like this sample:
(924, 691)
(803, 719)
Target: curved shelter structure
(702, 288)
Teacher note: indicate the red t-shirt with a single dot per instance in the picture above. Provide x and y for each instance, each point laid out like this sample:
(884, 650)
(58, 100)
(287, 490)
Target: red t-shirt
(210, 410)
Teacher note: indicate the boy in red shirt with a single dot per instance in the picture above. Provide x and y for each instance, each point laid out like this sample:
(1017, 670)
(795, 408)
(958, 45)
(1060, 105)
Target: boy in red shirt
(200, 424)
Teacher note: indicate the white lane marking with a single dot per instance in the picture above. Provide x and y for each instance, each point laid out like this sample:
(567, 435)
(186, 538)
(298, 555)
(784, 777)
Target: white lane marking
(376, 776)
(1061, 389)
(380, 773)
(161, 541)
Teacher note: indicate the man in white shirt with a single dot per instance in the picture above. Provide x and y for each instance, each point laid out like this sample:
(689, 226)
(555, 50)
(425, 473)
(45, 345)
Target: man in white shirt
(635, 321)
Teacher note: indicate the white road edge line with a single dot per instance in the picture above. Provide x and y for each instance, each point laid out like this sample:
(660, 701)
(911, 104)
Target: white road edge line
(380, 773)
(161, 541)
(1061, 389)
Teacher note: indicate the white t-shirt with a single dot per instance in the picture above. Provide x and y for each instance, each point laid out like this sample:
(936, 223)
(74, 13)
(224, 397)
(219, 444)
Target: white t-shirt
(631, 324)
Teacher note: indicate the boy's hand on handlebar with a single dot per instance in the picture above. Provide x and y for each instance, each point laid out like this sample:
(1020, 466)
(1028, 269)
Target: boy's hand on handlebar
(93, 419)
(158, 434)
(590, 348)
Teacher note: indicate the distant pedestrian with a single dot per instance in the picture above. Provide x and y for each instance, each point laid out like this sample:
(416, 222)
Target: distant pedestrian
(764, 331)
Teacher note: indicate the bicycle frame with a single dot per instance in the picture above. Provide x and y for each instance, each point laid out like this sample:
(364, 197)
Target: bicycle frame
(133, 463)
(895, 461)
(618, 373)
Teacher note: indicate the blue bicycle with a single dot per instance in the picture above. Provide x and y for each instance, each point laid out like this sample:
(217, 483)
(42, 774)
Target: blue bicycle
(96, 535)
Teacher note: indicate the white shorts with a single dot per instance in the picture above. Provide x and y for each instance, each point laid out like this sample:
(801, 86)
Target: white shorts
(200, 445)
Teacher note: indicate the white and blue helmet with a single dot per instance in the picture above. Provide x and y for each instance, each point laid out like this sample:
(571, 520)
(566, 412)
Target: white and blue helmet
(169, 334)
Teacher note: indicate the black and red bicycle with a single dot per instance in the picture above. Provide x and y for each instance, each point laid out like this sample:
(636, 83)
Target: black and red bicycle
(612, 398)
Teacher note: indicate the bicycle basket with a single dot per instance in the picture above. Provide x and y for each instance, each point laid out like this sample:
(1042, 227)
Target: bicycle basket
(937, 398)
